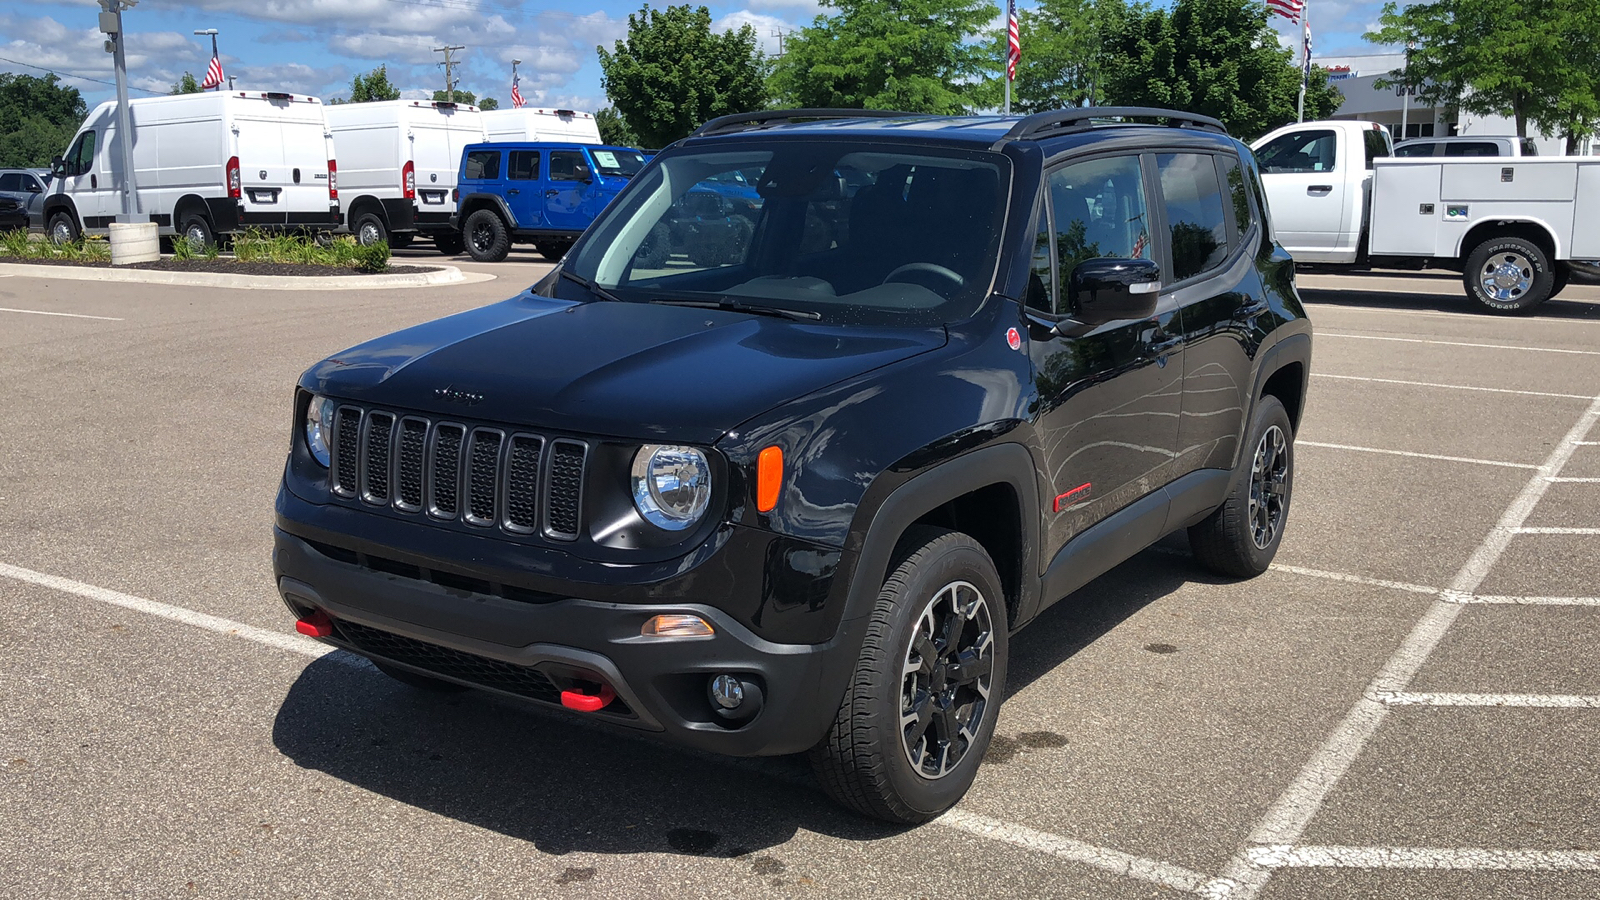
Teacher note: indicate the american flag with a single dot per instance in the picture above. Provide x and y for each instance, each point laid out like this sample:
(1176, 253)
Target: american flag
(213, 74)
(516, 93)
(1289, 9)
(1140, 244)
(1013, 40)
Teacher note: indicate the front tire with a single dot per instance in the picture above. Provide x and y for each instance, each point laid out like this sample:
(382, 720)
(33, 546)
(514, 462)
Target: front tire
(63, 228)
(1241, 537)
(921, 706)
(488, 239)
(1508, 275)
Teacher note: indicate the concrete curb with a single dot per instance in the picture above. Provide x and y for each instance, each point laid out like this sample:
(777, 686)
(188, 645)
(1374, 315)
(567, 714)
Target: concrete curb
(440, 275)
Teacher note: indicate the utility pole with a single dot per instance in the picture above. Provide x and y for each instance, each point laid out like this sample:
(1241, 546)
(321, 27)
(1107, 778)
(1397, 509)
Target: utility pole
(780, 34)
(111, 25)
(449, 70)
(1405, 85)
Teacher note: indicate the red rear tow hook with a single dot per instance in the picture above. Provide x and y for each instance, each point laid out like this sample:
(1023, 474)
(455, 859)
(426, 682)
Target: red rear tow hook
(315, 624)
(589, 702)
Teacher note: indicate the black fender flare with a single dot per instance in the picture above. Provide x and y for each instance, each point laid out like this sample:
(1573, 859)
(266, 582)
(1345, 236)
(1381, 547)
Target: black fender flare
(495, 200)
(361, 204)
(59, 203)
(188, 201)
(1294, 348)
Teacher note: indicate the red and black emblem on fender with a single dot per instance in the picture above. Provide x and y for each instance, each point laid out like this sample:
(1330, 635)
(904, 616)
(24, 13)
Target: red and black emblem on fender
(1075, 496)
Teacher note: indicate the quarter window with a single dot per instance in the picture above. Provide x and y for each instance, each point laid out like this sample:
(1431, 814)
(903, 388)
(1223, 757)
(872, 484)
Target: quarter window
(1376, 143)
(1303, 151)
(482, 164)
(1041, 280)
(1099, 211)
(524, 165)
(1197, 225)
(1233, 179)
(10, 181)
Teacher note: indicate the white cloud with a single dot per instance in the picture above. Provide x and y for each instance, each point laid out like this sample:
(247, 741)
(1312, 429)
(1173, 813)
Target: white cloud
(810, 8)
(765, 26)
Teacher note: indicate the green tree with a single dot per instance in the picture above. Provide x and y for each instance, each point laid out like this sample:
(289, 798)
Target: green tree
(613, 130)
(461, 96)
(38, 116)
(372, 87)
(186, 85)
(1214, 57)
(1061, 55)
(672, 73)
(488, 103)
(1536, 62)
(921, 56)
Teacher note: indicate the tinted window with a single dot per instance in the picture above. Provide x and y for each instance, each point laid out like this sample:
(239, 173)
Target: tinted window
(524, 165)
(1041, 280)
(1099, 212)
(1414, 148)
(81, 156)
(1304, 151)
(1233, 178)
(10, 181)
(482, 164)
(1529, 148)
(1472, 148)
(30, 183)
(1196, 222)
(564, 165)
(1377, 144)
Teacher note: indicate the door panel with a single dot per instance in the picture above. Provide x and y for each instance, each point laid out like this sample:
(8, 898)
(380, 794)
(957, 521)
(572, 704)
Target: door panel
(1305, 189)
(524, 189)
(564, 193)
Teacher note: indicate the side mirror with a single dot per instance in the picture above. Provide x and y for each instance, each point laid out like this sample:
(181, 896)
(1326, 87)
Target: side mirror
(58, 166)
(1108, 290)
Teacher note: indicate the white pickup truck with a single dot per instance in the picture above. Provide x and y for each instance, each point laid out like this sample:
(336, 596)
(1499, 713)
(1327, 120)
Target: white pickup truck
(1511, 226)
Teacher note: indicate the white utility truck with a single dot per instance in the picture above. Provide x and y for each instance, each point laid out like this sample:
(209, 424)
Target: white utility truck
(1511, 225)
(204, 164)
(398, 165)
(531, 124)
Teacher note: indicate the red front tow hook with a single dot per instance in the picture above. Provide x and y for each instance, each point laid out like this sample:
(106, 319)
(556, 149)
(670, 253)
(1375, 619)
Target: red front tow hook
(588, 702)
(315, 624)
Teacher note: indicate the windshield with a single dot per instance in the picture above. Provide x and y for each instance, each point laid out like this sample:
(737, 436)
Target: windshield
(886, 236)
(618, 163)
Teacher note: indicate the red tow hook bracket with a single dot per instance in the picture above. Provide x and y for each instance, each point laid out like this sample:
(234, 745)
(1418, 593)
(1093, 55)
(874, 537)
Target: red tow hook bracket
(589, 702)
(316, 624)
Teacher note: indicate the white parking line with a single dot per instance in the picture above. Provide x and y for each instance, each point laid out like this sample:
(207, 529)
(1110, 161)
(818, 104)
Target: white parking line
(1354, 579)
(1459, 459)
(1524, 601)
(40, 312)
(1575, 480)
(1453, 387)
(1285, 857)
(1286, 820)
(1373, 337)
(1533, 701)
(1557, 530)
(1114, 861)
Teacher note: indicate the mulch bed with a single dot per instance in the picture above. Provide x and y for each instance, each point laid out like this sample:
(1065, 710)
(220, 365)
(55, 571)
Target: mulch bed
(229, 266)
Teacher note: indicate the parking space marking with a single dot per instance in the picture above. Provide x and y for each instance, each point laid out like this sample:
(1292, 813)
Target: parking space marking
(1459, 459)
(1453, 387)
(1575, 480)
(1374, 337)
(40, 312)
(1532, 701)
(1558, 531)
(1288, 817)
(1355, 579)
(1524, 601)
(1114, 861)
(1286, 857)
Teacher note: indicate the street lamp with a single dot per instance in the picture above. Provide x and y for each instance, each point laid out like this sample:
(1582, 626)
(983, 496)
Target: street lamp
(111, 26)
(213, 33)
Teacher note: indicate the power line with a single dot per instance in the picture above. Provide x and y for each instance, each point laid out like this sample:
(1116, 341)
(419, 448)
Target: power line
(64, 74)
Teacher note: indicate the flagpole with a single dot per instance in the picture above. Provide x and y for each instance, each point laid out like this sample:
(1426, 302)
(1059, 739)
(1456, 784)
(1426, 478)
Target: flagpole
(1011, 18)
(1305, 58)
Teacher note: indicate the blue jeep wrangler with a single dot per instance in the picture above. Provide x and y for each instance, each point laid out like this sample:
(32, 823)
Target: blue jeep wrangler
(543, 193)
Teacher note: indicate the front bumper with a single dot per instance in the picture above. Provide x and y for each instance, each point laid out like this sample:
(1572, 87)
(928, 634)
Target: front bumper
(531, 650)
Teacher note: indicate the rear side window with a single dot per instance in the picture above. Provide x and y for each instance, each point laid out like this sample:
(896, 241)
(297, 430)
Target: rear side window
(1041, 278)
(1529, 148)
(1196, 221)
(564, 165)
(30, 183)
(1233, 183)
(524, 165)
(1472, 148)
(482, 164)
(1413, 149)
(1100, 213)
(1303, 151)
(10, 181)
(1376, 143)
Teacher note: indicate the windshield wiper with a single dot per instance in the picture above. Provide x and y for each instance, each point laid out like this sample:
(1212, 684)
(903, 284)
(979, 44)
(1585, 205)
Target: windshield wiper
(728, 303)
(590, 286)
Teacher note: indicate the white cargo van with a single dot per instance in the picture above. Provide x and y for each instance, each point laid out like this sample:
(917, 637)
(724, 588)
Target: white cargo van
(530, 124)
(398, 162)
(205, 164)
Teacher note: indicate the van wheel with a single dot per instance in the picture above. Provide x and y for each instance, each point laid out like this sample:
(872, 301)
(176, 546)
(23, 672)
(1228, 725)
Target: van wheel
(63, 228)
(418, 680)
(553, 250)
(488, 239)
(1508, 275)
(369, 229)
(920, 710)
(449, 243)
(197, 231)
(399, 240)
(1241, 536)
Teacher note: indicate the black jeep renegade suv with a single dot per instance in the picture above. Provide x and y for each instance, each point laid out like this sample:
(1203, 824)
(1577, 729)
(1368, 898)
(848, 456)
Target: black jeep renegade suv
(798, 494)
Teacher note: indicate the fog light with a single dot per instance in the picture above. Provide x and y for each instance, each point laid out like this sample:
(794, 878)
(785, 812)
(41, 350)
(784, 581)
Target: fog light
(676, 626)
(727, 691)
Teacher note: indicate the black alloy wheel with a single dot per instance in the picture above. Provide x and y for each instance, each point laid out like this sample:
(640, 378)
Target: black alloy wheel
(1269, 487)
(948, 672)
(1241, 537)
(488, 239)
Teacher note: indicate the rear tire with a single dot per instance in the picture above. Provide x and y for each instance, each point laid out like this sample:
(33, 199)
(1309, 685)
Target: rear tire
(63, 228)
(369, 229)
(921, 706)
(1562, 279)
(1241, 537)
(1508, 275)
(450, 243)
(418, 680)
(399, 240)
(197, 230)
(488, 238)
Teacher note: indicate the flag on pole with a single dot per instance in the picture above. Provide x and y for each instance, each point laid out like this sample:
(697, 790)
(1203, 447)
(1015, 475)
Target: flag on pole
(213, 74)
(516, 93)
(1305, 56)
(1013, 41)
(1289, 9)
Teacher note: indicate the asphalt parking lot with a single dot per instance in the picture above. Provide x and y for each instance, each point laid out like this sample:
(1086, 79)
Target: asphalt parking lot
(1407, 706)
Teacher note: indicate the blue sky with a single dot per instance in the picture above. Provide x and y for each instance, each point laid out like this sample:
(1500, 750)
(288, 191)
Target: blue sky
(316, 46)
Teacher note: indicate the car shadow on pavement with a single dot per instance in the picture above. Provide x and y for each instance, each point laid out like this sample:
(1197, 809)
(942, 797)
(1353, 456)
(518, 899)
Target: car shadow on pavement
(1558, 308)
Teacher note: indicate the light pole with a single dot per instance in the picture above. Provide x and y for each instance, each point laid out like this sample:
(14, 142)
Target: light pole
(111, 25)
(1405, 86)
(213, 33)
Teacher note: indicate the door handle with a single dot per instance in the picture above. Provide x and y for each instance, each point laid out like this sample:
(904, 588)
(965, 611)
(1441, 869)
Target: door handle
(94, 181)
(551, 193)
(513, 191)
(1320, 189)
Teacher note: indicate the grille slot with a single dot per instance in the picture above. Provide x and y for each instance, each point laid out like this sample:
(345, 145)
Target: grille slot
(565, 492)
(446, 468)
(408, 474)
(483, 476)
(346, 451)
(492, 673)
(522, 483)
(375, 464)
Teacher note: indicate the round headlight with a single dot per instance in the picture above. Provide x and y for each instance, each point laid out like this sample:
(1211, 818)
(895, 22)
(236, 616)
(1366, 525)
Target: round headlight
(671, 485)
(319, 428)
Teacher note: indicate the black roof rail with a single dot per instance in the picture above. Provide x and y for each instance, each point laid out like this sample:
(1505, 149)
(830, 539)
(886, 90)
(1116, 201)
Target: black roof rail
(725, 123)
(1062, 119)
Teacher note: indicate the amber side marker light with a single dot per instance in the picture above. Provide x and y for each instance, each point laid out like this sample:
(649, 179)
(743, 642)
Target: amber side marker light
(769, 478)
(676, 626)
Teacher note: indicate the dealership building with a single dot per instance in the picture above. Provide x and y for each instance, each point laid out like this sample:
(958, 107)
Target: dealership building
(1357, 76)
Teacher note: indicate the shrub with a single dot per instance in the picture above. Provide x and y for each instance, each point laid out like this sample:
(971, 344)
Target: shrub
(373, 257)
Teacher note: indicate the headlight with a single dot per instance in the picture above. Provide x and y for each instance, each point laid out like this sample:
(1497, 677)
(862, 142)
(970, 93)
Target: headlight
(319, 428)
(671, 485)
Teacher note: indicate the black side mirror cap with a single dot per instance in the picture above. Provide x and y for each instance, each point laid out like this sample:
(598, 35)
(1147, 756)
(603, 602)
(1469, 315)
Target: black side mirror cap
(1109, 290)
(58, 166)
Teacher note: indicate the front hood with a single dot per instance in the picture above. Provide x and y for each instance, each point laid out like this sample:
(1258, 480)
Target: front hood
(631, 370)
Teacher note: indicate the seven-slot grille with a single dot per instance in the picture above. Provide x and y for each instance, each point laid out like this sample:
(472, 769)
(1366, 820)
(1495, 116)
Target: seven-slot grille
(487, 477)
